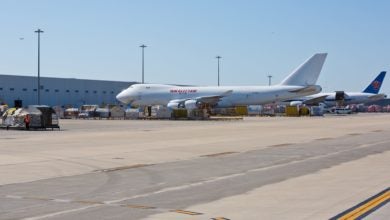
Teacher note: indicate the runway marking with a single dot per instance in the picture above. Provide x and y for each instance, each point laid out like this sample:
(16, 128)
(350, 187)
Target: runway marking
(186, 212)
(60, 213)
(217, 179)
(219, 218)
(219, 154)
(211, 180)
(93, 204)
(366, 207)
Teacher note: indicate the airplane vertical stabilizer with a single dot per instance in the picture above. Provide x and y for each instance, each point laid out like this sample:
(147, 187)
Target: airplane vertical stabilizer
(375, 85)
(307, 73)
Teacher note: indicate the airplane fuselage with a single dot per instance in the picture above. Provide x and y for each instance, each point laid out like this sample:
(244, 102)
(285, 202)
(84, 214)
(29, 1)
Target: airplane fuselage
(158, 94)
(350, 98)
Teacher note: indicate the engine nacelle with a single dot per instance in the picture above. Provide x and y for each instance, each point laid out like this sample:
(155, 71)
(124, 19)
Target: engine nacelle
(191, 104)
(296, 103)
(174, 105)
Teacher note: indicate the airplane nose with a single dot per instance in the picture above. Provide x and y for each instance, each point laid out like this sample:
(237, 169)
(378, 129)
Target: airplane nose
(122, 97)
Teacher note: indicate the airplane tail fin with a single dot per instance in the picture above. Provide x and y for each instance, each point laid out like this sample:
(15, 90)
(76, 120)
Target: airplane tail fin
(307, 73)
(375, 85)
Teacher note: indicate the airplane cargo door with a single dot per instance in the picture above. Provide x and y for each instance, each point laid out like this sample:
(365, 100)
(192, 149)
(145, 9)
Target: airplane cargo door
(340, 97)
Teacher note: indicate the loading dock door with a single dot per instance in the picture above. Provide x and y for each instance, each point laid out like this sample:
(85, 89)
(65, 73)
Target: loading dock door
(18, 103)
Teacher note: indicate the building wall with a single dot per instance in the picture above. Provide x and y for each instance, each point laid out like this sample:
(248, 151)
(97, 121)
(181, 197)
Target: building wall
(59, 91)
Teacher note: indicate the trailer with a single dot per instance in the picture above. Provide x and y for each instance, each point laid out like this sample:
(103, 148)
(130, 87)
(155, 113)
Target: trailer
(34, 117)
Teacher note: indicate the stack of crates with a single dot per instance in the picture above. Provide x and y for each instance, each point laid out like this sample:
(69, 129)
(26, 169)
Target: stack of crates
(296, 111)
(241, 110)
(304, 111)
(179, 113)
(198, 114)
(292, 111)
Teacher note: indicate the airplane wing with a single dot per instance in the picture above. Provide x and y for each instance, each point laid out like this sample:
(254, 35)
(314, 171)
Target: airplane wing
(315, 100)
(311, 88)
(212, 99)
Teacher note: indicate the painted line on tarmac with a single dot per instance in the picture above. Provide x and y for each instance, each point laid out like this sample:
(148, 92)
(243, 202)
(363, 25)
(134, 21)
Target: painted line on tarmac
(93, 204)
(60, 213)
(366, 207)
(211, 180)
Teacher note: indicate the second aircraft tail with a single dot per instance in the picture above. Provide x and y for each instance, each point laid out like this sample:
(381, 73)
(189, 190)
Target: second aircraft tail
(375, 85)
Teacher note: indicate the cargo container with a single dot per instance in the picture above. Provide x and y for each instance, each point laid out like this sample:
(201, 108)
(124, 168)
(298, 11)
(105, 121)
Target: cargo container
(292, 111)
(179, 113)
(241, 110)
(316, 111)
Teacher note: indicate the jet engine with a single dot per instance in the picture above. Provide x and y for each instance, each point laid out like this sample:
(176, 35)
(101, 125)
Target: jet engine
(191, 104)
(175, 105)
(296, 103)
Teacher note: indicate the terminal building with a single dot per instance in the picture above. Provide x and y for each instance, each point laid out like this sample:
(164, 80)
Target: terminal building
(66, 92)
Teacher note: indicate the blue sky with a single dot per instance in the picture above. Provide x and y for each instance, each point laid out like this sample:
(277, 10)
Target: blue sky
(95, 39)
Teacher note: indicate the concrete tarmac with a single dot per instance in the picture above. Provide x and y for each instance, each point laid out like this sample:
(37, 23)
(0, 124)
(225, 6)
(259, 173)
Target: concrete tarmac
(258, 168)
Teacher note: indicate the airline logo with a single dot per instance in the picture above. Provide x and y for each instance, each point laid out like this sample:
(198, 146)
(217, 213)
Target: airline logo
(183, 91)
(376, 84)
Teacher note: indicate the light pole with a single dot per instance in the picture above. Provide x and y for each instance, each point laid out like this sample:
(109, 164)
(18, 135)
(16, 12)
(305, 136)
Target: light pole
(269, 79)
(39, 31)
(218, 57)
(143, 47)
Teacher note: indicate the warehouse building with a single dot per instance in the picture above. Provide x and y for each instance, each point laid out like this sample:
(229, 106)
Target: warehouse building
(58, 91)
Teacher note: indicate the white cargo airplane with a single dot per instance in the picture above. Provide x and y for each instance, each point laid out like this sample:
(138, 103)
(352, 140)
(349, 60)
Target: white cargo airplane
(371, 93)
(299, 83)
